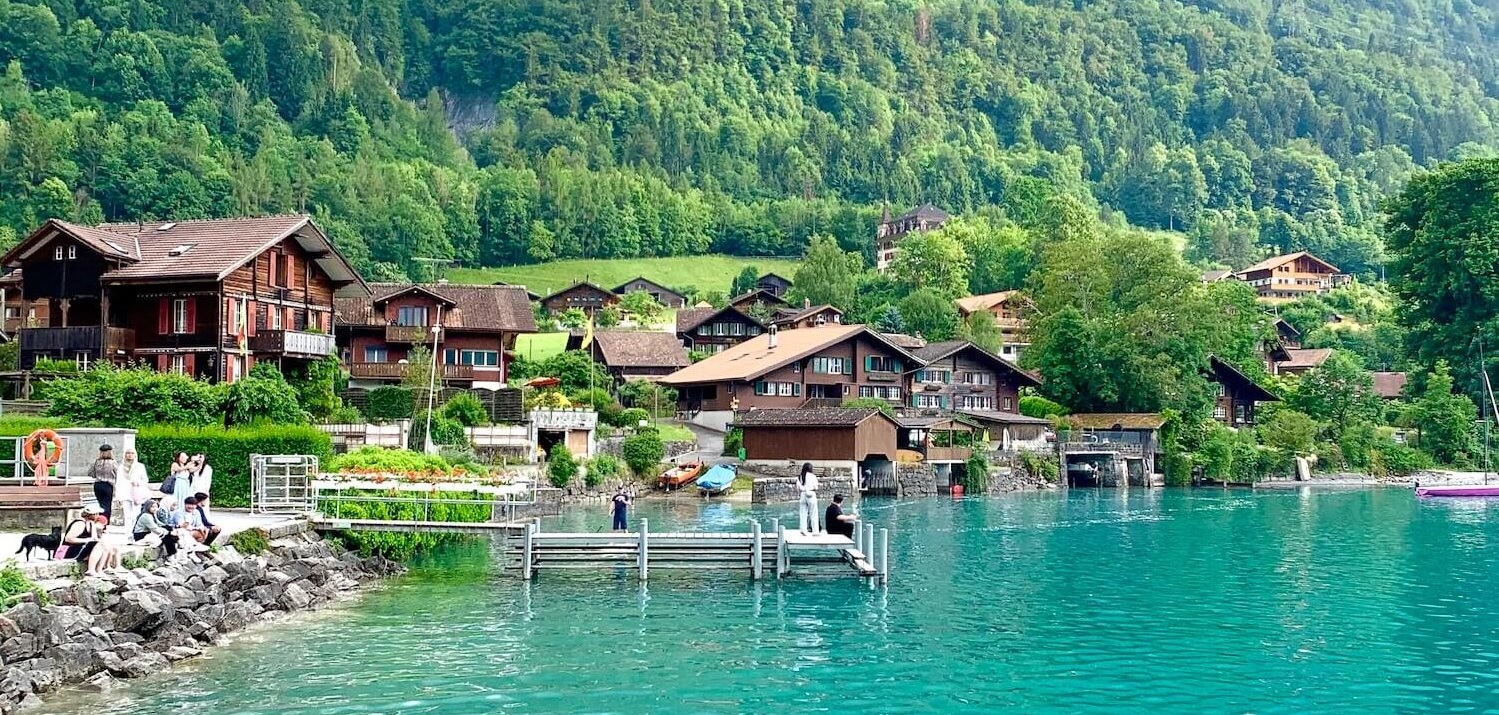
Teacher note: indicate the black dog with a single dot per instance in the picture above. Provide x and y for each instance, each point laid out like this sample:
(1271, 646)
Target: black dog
(45, 542)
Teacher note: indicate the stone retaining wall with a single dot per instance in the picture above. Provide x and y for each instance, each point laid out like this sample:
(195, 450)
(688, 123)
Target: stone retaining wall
(612, 446)
(915, 480)
(775, 482)
(138, 622)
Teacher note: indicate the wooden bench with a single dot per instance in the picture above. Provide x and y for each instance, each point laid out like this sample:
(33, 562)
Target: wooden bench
(38, 509)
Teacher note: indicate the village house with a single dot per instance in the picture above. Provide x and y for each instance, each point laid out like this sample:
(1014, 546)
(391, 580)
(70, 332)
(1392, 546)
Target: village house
(530, 295)
(638, 354)
(1237, 394)
(888, 235)
(660, 293)
(1302, 360)
(377, 333)
(1282, 279)
(819, 366)
(1009, 309)
(1390, 385)
(769, 302)
(19, 312)
(712, 330)
(774, 285)
(582, 295)
(957, 375)
(807, 316)
(205, 298)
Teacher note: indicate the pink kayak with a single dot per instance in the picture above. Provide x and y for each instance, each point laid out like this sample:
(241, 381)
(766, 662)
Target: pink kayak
(1459, 490)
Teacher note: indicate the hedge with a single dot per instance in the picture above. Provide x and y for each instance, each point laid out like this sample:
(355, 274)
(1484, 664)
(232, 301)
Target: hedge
(20, 426)
(402, 546)
(228, 452)
(389, 403)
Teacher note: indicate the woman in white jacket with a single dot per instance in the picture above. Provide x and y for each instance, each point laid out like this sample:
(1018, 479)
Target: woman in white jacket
(806, 509)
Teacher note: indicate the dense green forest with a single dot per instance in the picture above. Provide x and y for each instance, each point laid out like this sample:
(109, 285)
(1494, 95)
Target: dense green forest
(504, 131)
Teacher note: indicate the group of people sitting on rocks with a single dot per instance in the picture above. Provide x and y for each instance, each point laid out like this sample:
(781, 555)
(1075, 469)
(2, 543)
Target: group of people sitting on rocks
(178, 521)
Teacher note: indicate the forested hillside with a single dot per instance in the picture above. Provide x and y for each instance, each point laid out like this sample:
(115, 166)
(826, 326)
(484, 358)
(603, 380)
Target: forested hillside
(503, 131)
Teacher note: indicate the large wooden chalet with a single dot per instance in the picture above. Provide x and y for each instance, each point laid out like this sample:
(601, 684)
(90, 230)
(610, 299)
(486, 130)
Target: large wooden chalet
(957, 375)
(713, 330)
(376, 333)
(1285, 278)
(205, 298)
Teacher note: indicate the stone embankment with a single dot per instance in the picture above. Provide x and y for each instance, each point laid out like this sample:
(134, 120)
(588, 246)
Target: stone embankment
(138, 622)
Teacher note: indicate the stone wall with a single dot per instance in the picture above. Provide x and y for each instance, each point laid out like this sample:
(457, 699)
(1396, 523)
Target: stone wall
(138, 622)
(775, 482)
(1008, 474)
(915, 480)
(612, 446)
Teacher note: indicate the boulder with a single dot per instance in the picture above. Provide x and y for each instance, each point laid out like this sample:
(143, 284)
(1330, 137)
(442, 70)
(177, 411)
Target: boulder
(141, 611)
(210, 614)
(15, 681)
(8, 628)
(45, 675)
(21, 647)
(214, 574)
(75, 660)
(101, 682)
(177, 653)
(126, 651)
(66, 623)
(120, 638)
(147, 663)
(181, 597)
(294, 598)
(111, 661)
(27, 617)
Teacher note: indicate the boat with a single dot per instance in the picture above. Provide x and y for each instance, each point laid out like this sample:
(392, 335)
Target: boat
(681, 475)
(717, 480)
(1459, 490)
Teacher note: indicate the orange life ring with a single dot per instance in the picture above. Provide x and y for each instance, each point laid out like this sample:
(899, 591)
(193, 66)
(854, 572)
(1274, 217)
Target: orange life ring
(37, 440)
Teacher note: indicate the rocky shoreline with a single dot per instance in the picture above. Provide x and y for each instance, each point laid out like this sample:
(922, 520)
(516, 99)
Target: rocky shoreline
(138, 622)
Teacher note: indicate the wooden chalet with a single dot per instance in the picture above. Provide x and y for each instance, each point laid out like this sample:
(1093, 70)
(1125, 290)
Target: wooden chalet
(925, 217)
(713, 330)
(768, 301)
(660, 293)
(1009, 308)
(958, 375)
(206, 298)
(948, 439)
(1112, 449)
(808, 316)
(820, 434)
(1302, 360)
(774, 284)
(1238, 394)
(638, 354)
(530, 295)
(806, 367)
(1390, 385)
(582, 295)
(377, 333)
(1285, 278)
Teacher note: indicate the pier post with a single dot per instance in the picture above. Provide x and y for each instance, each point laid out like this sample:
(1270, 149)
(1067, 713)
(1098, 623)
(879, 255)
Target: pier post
(525, 553)
(866, 541)
(757, 564)
(884, 556)
(645, 539)
(780, 550)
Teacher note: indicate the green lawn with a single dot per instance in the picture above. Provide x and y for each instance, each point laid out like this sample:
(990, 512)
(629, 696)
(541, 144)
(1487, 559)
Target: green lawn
(673, 432)
(539, 346)
(714, 272)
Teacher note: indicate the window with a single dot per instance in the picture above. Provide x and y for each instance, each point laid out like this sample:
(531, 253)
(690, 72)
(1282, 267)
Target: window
(450, 356)
(782, 389)
(831, 366)
(976, 378)
(275, 317)
(982, 403)
(234, 322)
(179, 364)
(754, 330)
(480, 358)
(374, 354)
(736, 329)
(57, 253)
(277, 269)
(881, 363)
(12, 313)
(179, 316)
(411, 315)
(880, 391)
(72, 252)
(1220, 413)
(928, 401)
(1009, 404)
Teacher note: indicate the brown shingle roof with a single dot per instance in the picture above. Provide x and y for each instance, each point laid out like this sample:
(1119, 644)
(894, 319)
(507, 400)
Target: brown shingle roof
(792, 315)
(1306, 358)
(909, 342)
(640, 348)
(755, 357)
(689, 318)
(985, 301)
(759, 295)
(1389, 385)
(1278, 261)
(806, 417)
(1123, 420)
(937, 351)
(928, 212)
(475, 307)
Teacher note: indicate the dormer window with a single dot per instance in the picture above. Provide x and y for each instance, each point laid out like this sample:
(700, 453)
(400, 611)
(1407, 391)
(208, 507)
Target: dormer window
(72, 252)
(57, 254)
(414, 315)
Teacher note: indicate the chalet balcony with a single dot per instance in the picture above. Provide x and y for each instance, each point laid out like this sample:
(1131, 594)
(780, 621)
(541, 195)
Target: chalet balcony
(882, 376)
(407, 333)
(98, 341)
(948, 454)
(293, 342)
(396, 371)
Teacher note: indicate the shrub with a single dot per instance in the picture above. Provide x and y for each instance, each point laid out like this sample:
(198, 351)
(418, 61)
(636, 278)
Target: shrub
(228, 451)
(466, 409)
(612, 414)
(263, 395)
(547, 399)
(399, 546)
(250, 542)
(346, 415)
(51, 365)
(1037, 406)
(394, 461)
(1391, 459)
(659, 400)
(10, 356)
(132, 397)
(733, 441)
(389, 402)
(597, 398)
(22, 426)
(445, 432)
(976, 473)
(561, 466)
(643, 451)
(14, 583)
(875, 402)
(631, 418)
(317, 388)
(602, 467)
(1038, 465)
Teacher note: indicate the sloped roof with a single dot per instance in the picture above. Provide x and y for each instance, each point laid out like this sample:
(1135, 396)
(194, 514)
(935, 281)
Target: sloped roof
(529, 293)
(1009, 418)
(1306, 357)
(205, 249)
(928, 212)
(640, 348)
(1227, 373)
(807, 417)
(757, 295)
(778, 277)
(937, 351)
(620, 289)
(1121, 420)
(579, 284)
(792, 315)
(474, 307)
(755, 357)
(985, 301)
(1390, 385)
(1278, 261)
(399, 289)
(690, 318)
(1215, 276)
(908, 342)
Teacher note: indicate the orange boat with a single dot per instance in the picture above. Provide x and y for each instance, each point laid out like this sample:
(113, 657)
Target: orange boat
(681, 475)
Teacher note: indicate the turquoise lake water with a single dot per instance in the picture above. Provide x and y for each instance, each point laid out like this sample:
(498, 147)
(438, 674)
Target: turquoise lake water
(1168, 601)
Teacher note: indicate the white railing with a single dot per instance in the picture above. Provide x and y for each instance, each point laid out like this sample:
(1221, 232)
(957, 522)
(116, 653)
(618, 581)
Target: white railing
(309, 343)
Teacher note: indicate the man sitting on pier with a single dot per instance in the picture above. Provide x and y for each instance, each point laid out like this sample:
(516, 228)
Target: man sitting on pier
(835, 521)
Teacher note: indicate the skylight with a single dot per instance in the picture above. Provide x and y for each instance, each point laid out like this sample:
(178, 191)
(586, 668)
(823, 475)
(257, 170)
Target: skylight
(184, 248)
(166, 226)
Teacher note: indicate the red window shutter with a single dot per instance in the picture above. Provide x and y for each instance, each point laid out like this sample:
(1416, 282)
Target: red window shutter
(326, 319)
(163, 363)
(163, 316)
(231, 317)
(286, 319)
(189, 361)
(250, 314)
(271, 271)
(192, 315)
(291, 271)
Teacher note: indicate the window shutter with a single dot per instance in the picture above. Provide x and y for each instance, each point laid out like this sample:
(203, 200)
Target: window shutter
(231, 317)
(192, 315)
(250, 314)
(291, 270)
(796, 389)
(921, 375)
(868, 363)
(947, 377)
(163, 316)
(326, 320)
(189, 362)
(286, 319)
(271, 268)
(163, 363)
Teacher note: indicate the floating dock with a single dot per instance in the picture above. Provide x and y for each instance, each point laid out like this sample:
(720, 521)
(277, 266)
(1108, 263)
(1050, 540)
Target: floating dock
(758, 551)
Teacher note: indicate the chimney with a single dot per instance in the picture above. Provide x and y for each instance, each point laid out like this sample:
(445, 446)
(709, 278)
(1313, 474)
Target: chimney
(772, 333)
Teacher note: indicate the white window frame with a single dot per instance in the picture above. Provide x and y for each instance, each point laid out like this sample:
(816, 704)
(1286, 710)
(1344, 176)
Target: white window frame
(179, 364)
(179, 316)
(57, 254)
(383, 353)
(276, 316)
(72, 253)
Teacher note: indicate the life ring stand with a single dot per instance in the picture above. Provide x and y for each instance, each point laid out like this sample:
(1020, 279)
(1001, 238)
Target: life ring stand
(34, 450)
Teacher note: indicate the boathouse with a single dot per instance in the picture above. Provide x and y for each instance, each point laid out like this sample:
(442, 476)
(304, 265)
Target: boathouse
(841, 438)
(1112, 449)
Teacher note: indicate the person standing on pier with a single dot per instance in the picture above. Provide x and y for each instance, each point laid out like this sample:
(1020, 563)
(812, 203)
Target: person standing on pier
(807, 509)
(619, 506)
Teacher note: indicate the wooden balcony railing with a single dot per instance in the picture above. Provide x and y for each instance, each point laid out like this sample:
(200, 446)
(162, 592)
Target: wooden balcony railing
(89, 338)
(407, 333)
(396, 371)
(948, 454)
(293, 342)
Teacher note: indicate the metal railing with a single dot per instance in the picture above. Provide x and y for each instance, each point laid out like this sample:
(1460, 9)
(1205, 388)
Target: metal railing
(15, 470)
(503, 502)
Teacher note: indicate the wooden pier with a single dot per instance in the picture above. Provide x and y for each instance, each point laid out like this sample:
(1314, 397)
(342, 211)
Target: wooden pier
(758, 551)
